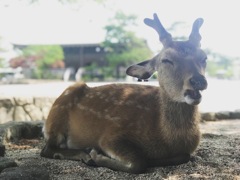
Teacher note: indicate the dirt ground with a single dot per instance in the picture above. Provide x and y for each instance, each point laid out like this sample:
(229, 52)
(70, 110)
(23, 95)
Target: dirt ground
(217, 157)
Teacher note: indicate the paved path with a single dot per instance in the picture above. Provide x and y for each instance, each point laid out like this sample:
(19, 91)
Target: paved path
(221, 94)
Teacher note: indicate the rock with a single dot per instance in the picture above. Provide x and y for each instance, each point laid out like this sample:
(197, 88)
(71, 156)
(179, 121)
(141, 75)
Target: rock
(2, 150)
(27, 130)
(45, 112)
(7, 103)
(13, 131)
(235, 114)
(43, 102)
(21, 101)
(210, 116)
(5, 115)
(6, 163)
(20, 114)
(33, 112)
(6, 110)
(25, 108)
(223, 115)
(25, 173)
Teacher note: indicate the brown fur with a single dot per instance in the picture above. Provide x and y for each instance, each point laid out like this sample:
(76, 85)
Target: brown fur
(131, 127)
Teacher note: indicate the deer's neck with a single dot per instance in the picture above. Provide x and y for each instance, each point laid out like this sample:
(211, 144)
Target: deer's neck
(177, 114)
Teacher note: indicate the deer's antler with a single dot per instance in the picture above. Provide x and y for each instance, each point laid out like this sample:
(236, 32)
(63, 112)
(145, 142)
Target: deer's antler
(195, 36)
(164, 36)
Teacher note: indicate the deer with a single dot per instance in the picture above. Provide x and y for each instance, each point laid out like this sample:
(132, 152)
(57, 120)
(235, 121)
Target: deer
(131, 127)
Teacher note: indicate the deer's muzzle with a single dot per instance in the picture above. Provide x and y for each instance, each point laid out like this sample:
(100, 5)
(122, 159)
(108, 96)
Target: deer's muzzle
(192, 97)
(198, 82)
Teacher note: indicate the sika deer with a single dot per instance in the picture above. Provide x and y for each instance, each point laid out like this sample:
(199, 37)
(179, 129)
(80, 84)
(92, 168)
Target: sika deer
(132, 127)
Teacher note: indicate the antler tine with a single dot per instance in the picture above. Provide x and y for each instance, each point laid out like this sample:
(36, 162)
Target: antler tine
(195, 36)
(155, 23)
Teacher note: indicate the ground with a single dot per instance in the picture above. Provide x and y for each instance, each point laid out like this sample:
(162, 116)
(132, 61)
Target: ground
(217, 157)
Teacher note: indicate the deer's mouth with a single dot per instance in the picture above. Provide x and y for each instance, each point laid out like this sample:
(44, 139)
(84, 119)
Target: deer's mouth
(192, 97)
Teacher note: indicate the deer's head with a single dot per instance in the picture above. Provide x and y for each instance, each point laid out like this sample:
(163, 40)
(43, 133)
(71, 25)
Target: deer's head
(180, 65)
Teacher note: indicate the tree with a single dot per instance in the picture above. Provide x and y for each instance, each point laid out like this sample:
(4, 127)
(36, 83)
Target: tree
(219, 65)
(1, 50)
(1, 62)
(46, 55)
(122, 45)
(39, 57)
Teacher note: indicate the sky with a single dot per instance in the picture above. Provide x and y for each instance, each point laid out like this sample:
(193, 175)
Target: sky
(49, 22)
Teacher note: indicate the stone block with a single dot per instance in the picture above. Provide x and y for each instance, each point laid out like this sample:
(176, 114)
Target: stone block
(210, 116)
(6, 163)
(223, 115)
(235, 114)
(25, 173)
(20, 114)
(6, 115)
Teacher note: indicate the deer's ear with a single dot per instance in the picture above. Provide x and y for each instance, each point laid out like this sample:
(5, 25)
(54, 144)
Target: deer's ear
(143, 70)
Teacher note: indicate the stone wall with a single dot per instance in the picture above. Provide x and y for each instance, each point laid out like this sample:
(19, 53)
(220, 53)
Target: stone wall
(24, 108)
(37, 108)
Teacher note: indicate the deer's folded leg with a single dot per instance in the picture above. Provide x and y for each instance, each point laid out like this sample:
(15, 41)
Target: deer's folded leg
(68, 154)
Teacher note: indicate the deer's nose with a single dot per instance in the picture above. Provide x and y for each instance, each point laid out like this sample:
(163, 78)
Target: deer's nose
(198, 82)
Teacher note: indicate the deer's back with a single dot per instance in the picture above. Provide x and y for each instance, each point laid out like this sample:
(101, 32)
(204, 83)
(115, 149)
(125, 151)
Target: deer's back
(87, 114)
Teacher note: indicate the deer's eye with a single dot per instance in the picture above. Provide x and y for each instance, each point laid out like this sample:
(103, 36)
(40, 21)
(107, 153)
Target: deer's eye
(167, 61)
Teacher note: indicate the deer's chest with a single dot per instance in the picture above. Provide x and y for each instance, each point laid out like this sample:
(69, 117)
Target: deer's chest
(174, 143)
(183, 140)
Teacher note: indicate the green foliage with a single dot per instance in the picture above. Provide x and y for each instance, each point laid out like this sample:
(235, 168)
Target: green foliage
(128, 57)
(122, 45)
(93, 72)
(219, 65)
(1, 62)
(45, 56)
(1, 50)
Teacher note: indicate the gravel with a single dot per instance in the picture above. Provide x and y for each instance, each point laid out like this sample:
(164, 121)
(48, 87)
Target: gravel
(217, 157)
